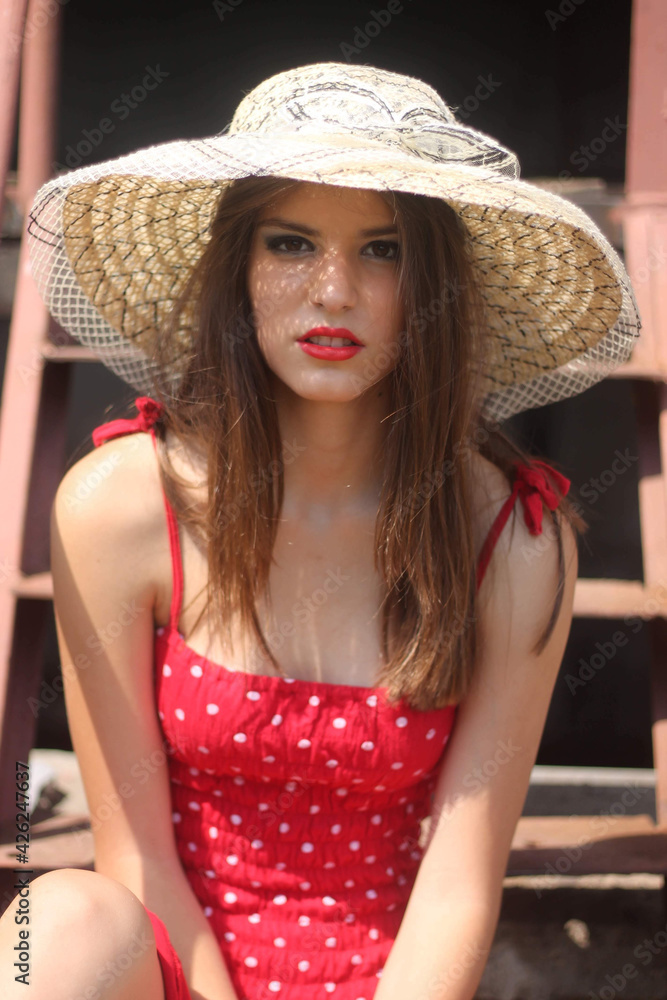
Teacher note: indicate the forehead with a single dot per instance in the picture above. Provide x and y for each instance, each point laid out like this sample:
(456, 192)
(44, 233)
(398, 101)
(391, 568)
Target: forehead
(308, 198)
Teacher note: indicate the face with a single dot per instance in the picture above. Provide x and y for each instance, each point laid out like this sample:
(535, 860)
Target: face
(314, 263)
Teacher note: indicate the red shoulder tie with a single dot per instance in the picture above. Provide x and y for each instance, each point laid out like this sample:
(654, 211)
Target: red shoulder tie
(531, 483)
(149, 411)
(533, 486)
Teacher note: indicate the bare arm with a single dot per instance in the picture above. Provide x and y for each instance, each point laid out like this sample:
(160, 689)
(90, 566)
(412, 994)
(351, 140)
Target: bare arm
(104, 553)
(450, 922)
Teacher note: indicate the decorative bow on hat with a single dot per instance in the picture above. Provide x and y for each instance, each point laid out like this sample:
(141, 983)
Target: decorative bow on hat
(429, 136)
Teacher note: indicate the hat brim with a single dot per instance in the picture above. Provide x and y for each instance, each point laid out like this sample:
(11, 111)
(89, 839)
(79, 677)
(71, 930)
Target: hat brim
(111, 246)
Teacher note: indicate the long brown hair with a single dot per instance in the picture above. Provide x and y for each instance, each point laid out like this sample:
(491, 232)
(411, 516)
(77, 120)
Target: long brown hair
(222, 410)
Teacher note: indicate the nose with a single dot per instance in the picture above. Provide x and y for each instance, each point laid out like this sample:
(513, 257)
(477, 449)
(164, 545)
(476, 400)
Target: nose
(333, 283)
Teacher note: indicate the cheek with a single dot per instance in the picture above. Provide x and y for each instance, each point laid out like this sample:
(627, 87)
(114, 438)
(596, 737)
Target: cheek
(272, 289)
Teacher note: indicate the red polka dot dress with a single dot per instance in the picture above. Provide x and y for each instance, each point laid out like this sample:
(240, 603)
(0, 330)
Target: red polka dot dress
(297, 804)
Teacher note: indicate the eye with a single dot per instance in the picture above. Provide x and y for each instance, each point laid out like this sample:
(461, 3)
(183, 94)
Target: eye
(274, 243)
(386, 243)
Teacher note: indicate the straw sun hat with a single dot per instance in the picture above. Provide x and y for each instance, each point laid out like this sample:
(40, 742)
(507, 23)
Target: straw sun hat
(111, 245)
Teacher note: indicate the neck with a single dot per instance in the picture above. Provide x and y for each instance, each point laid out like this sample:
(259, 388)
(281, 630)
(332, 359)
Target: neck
(337, 467)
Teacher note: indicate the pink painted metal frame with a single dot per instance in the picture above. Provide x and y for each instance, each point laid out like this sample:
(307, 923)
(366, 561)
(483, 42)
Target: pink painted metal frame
(29, 41)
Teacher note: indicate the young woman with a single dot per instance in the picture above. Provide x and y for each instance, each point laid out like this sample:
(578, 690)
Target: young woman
(304, 698)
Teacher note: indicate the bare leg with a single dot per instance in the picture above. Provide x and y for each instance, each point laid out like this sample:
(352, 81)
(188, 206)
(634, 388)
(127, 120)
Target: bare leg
(90, 939)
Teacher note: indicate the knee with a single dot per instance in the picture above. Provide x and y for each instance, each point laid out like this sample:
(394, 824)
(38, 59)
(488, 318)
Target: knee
(88, 903)
(93, 919)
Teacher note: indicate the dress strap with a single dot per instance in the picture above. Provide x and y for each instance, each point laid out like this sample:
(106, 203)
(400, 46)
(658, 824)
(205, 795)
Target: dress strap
(149, 411)
(531, 483)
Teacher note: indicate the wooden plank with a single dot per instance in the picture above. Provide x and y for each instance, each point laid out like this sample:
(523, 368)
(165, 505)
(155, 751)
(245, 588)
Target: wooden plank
(575, 845)
(62, 841)
(564, 831)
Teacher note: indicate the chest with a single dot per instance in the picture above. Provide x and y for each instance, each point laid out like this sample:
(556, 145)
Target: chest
(322, 618)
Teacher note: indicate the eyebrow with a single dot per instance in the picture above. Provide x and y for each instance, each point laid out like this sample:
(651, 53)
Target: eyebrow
(309, 231)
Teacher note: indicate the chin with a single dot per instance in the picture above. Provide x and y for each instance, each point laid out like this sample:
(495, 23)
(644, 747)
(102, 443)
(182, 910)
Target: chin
(345, 390)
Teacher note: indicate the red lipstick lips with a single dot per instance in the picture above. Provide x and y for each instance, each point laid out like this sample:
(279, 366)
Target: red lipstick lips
(331, 331)
(323, 351)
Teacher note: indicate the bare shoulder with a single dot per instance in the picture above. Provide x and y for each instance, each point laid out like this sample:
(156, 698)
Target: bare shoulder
(522, 580)
(490, 490)
(118, 477)
(109, 513)
(524, 566)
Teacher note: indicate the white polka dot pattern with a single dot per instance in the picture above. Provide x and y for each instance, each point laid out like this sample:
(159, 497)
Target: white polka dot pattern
(306, 818)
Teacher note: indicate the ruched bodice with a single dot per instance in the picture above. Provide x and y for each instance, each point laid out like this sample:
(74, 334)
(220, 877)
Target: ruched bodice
(297, 809)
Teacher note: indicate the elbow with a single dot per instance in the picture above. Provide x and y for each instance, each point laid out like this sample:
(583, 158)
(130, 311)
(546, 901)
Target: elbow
(459, 890)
